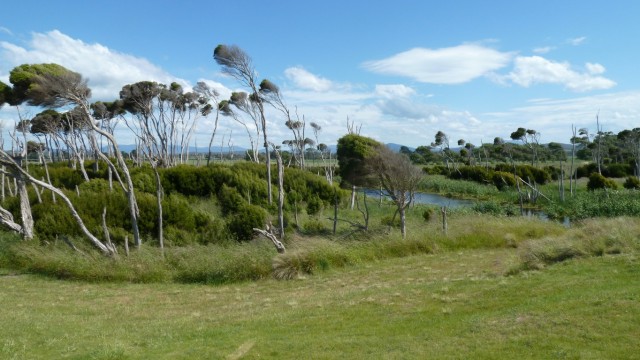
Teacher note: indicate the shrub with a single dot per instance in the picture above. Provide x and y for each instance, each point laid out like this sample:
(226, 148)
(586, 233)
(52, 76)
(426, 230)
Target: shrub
(494, 208)
(632, 182)
(390, 221)
(597, 181)
(503, 180)
(428, 214)
(314, 205)
(474, 173)
(314, 227)
(246, 218)
(618, 170)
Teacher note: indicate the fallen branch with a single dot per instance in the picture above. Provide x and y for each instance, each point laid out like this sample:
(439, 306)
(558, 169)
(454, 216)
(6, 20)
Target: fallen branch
(278, 244)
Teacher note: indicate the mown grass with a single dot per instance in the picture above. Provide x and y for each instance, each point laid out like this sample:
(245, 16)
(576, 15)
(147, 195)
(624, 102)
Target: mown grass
(454, 305)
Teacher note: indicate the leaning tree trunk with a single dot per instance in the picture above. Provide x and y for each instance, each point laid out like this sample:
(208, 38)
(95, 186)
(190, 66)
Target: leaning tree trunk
(159, 193)
(25, 210)
(22, 178)
(280, 194)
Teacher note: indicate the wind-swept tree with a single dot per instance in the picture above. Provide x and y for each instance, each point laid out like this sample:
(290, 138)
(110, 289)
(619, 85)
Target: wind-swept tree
(211, 97)
(53, 86)
(239, 102)
(236, 63)
(441, 142)
(398, 178)
(530, 139)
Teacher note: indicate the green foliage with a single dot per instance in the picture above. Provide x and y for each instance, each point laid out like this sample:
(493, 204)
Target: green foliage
(597, 203)
(314, 226)
(314, 205)
(495, 208)
(23, 78)
(352, 152)
(597, 181)
(632, 182)
(244, 219)
(527, 172)
(473, 173)
(5, 93)
(609, 170)
(503, 180)
(428, 214)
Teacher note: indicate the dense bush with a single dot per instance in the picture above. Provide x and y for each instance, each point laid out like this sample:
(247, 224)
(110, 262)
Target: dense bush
(526, 172)
(610, 170)
(473, 173)
(503, 180)
(632, 182)
(245, 219)
(597, 181)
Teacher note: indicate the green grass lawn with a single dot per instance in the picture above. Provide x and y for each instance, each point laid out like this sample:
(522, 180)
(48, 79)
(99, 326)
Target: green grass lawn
(453, 305)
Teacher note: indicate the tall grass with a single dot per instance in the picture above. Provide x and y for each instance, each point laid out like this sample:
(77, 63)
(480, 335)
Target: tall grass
(442, 185)
(599, 203)
(539, 242)
(593, 237)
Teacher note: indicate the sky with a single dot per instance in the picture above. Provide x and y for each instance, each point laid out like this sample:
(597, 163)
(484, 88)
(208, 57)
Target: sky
(400, 71)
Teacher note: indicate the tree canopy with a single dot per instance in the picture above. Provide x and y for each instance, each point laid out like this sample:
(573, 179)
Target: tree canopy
(353, 151)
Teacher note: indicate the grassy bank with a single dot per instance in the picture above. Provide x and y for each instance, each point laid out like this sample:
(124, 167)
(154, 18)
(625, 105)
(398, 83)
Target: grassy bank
(447, 306)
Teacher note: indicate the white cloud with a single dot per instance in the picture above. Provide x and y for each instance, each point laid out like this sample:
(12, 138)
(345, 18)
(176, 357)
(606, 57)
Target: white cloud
(5, 30)
(543, 50)
(306, 80)
(106, 69)
(452, 65)
(392, 91)
(595, 69)
(577, 41)
(529, 70)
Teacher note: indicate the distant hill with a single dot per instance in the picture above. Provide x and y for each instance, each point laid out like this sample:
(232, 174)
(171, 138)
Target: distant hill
(396, 147)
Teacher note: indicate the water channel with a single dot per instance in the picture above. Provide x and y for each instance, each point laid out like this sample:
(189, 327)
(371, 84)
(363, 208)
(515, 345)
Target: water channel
(440, 200)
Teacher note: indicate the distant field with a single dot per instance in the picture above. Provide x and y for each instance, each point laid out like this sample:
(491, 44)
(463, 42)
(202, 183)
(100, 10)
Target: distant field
(454, 305)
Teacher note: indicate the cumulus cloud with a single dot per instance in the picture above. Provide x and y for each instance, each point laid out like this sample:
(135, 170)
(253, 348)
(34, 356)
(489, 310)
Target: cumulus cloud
(306, 80)
(529, 70)
(106, 69)
(452, 65)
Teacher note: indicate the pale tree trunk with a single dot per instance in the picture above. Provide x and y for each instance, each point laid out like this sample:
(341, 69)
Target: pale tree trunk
(22, 177)
(403, 222)
(46, 171)
(25, 210)
(6, 220)
(280, 194)
(159, 195)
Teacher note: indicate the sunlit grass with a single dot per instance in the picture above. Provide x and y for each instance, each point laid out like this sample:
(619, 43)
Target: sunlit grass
(444, 306)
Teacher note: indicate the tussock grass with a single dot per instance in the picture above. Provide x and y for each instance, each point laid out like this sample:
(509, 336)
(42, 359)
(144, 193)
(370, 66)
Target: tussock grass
(593, 237)
(309, 256)
(539, 243)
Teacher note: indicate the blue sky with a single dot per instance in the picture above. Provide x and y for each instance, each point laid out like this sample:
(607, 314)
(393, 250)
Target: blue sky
(403, 70)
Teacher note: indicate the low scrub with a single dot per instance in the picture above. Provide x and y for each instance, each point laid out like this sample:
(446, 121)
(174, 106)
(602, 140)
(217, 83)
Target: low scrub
(596, 203)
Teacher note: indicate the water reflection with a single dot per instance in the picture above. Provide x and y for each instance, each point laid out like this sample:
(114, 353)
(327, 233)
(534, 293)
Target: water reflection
(430, 199)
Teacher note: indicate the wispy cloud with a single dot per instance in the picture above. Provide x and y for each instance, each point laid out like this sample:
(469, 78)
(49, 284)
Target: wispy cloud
(530, 70)
(6, 30)
(577, 41)
(106, 69)
(543, 50)
(452, 65)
